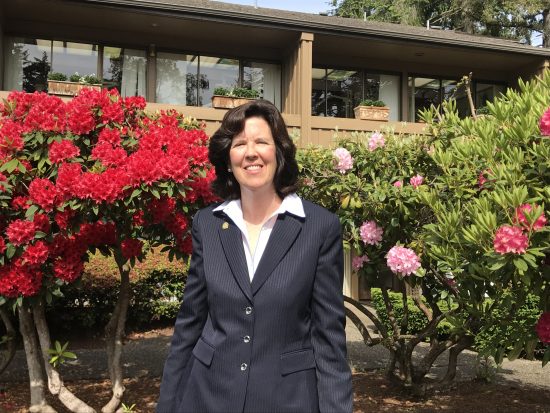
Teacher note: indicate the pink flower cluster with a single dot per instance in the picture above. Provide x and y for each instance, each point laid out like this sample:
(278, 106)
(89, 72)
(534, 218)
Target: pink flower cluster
(60, 151)
(358, 262)
(513, 239)
(543, 327)
(522, 220)
(417, 180)
(509, 239)
(403, 261)
(545, 123)
(344, 161)
(376, 140)
(371, 233)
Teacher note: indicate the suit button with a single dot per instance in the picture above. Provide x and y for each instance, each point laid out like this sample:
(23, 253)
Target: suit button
(248, 310)
(244, 366)
(246, 339)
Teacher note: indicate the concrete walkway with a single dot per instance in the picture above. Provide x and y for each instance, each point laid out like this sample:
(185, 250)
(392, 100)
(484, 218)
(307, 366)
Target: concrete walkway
(145, 357)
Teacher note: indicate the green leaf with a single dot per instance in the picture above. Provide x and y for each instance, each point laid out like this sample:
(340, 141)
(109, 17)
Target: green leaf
(520, 265)
(69, 355)
(515, 352)
(546, 357)
(9, 166)
(10, 251)
(29, 213)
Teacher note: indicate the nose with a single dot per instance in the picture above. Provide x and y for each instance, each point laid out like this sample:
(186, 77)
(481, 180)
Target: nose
(251, 152)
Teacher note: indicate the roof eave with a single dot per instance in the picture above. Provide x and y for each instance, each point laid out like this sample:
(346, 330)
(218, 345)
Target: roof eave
(313, 27)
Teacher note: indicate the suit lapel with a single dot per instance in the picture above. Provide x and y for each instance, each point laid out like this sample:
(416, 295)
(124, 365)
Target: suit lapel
(281, 239)
(232, 243)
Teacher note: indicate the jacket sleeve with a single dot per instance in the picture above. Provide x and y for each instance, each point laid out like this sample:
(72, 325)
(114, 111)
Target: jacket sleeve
(187, 330)
(334, 386)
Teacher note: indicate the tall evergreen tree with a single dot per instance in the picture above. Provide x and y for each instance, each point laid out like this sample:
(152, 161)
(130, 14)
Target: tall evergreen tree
(513, 19)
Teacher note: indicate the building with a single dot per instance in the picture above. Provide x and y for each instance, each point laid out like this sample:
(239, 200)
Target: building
(314, 68)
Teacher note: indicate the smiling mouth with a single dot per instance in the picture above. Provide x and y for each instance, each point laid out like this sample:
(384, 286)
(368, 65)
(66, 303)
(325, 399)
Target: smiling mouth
(253, 167)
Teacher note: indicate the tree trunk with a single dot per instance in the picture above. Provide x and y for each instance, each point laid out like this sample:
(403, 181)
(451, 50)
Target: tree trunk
(36, 375)
(9, 353)
(546, 28)
(55, 383)
(114, 334)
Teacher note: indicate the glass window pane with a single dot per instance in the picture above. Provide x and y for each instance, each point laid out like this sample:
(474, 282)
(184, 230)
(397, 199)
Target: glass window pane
(26, 64)
(423, 92)
(318, 97)
(265, 78)
(177, 80)
(385, 88)
(450, 91)
(216, 72)
(486, 92)
(343, 92)
(70, 58)
(125, 70)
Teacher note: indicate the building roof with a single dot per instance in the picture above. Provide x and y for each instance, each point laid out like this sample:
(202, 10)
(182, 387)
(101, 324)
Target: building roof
(215, 10)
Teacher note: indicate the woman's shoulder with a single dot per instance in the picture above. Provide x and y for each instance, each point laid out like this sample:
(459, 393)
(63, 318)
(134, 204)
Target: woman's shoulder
(318, 212)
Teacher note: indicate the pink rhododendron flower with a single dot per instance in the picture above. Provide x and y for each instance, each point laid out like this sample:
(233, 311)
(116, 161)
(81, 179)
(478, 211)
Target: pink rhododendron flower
(371, 233)
(65, 149)
(509, 239)
(417, 180)
(545, 123)
(402, 260)
(344, 161)
(543, 327)
(520, 217)
(398, 184)
(376, 140)
(357, 262)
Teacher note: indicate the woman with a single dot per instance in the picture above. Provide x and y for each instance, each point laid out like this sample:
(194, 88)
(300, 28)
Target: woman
(261, 327)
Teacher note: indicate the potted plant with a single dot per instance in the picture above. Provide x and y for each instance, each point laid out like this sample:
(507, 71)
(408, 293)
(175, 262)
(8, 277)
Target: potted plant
(59, 85)
(226, 98)
(372, 110)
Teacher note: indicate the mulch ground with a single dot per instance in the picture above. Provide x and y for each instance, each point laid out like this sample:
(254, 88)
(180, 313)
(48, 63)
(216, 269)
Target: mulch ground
(373, 393)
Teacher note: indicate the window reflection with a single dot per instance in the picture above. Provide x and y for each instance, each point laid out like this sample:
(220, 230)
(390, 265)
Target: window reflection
(219, 72)
(26, 64)
(178, 79)
(125, 70)
(70, 58)
(265, 78)
(336, 92)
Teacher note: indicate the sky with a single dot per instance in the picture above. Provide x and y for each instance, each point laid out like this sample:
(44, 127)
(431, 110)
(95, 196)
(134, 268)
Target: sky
(306, 6)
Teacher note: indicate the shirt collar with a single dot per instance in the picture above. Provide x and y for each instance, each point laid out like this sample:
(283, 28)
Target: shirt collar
(291, 204)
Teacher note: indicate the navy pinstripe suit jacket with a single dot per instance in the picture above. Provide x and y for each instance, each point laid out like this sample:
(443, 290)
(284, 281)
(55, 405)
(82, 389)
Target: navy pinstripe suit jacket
(276, 344)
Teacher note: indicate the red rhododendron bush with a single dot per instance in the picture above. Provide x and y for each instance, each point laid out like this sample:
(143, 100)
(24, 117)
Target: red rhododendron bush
(457, 220)
(96, 173)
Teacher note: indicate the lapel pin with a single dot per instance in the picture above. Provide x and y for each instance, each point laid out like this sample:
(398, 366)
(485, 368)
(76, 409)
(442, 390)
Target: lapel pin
(225, 225)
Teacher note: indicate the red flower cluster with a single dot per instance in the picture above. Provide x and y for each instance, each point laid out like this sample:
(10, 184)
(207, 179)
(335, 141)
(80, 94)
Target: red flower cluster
(131, 248)
(44, 193)
(36, 254)
(60, 151)
(509, 239)
(18, 279)
(543, 327)
(20, 231)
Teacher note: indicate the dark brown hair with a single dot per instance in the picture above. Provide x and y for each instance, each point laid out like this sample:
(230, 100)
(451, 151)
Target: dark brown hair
(286, 175)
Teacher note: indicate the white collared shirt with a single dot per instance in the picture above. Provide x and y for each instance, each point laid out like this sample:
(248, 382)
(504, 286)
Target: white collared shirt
(291, 204)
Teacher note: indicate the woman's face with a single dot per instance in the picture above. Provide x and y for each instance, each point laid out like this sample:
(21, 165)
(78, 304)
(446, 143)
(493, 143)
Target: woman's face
(253, 157)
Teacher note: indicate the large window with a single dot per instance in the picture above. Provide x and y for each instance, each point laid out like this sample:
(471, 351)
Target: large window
(125, 70)
(191, 79)
(425, 91)
(26, 64)
(335, 92)
(70, 58)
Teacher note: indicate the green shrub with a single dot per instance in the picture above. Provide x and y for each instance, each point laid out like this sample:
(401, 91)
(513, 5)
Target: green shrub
(417, 319)
(91, 79)
(370, 102)
(238, 92)
(157, 285)
(74, 77)
(57, 76)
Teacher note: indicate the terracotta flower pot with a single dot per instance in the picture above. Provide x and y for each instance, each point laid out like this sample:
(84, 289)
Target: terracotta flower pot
(379, 113)
(65, 88)
(228, 102)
